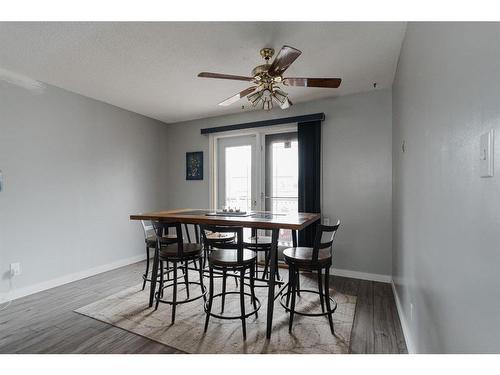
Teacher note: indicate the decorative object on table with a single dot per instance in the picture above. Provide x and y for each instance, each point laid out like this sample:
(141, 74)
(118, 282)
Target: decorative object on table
(226, 212)
(194, 165)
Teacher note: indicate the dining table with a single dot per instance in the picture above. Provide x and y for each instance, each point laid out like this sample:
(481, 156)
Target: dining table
(272, 221)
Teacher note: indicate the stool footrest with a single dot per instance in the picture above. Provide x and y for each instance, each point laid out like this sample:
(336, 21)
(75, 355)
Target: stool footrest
(230, 317)
(325, 313)
(168, 302)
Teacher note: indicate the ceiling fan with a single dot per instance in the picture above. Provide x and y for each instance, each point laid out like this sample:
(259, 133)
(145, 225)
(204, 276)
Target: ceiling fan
(267, 79)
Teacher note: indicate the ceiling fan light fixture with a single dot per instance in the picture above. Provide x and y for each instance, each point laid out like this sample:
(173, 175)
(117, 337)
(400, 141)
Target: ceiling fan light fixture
(266, 94)
(267, 104)
(286, 104)
(279, 96)
(255, 97)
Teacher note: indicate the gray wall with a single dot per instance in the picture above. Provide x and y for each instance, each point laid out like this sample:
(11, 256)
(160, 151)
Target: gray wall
(446, 218)
(74, 170)
(357, 172)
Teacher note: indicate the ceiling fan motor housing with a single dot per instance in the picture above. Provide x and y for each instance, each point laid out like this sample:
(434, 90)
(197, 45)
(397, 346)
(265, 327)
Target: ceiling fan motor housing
(267, 53)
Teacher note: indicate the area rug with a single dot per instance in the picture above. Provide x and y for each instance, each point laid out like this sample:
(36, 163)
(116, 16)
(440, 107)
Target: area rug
(129, 310)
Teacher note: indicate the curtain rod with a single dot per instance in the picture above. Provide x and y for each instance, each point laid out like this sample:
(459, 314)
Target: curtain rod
(258, 124)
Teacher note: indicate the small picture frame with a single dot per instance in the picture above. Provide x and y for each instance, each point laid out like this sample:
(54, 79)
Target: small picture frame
(194, 165)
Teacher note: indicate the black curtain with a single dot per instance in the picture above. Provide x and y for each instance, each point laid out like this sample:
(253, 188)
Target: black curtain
(309, 137)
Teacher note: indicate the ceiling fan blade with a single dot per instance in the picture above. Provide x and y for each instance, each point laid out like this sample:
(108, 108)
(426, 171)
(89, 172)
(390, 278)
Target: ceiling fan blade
(286, 56)
(332, 83)
(238, 96)
(224, 76)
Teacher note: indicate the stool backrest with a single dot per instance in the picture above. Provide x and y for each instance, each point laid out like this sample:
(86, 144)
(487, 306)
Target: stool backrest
(325, 235)
(163, 227)
(196, 233)
(236, 245)
(149, 230)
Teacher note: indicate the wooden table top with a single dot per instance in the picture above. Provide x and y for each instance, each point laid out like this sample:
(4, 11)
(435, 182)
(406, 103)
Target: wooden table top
(258, 219)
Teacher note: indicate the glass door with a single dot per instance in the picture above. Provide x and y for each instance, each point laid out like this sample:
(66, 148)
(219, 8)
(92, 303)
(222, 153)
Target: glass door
(236, 173)
(282, 176)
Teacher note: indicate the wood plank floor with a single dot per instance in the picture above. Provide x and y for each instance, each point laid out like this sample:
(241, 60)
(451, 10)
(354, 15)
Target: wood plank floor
(46, 323)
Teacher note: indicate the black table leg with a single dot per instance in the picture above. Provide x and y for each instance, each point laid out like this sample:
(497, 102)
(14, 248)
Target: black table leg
(273, 264)
(154, 274)
(294, 238)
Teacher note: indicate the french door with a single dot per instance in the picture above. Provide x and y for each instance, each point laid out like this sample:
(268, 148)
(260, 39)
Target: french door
(281, 194)
(282, 172)
(257, 172)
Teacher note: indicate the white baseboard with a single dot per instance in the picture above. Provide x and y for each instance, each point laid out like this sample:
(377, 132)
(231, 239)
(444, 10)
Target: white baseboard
(404, 321)
(25, 291)
(362, 275)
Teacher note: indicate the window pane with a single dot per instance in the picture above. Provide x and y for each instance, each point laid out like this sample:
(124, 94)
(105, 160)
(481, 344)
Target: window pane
(285, 177)
(239, 177)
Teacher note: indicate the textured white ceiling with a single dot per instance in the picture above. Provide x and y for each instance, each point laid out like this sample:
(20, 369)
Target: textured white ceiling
(151, 68)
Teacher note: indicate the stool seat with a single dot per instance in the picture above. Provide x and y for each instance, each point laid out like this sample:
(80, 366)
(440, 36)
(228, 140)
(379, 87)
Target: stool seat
(167, 239)
(229, 258)
(304, 256)
(170, 251)
(219, 236)
(259, 240)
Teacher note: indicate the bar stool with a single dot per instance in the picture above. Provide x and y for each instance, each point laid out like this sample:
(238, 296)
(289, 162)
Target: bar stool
(150, 238)
(177, 253)
(216, 240)
(262, 244)
(231, 256)
(317, 258)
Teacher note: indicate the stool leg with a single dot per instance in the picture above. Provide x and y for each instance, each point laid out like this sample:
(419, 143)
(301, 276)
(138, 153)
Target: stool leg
(242, 304)
(224, 273)
(210, 298)
(289, 288)
(266, 265)
(162, 275)
(205, 256)
(327, 297)
(174, 299)
(186, 277)
(320, 289)
(298, 283)
(160, 290)
(252, 290)
(293, 282)
(168, 269)
(202, 286)
(147, 268)
(278, 277)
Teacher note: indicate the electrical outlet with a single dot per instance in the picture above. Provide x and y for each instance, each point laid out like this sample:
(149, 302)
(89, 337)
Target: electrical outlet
(411, 312)
(326, 221)
(15, 269)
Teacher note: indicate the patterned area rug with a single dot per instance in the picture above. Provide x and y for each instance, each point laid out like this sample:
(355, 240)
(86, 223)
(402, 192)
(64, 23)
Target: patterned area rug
(129, 310)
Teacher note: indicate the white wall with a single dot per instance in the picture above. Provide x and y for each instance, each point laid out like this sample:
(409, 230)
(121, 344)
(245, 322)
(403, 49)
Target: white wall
(74, 170)
(357, 172)
(446, 218)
